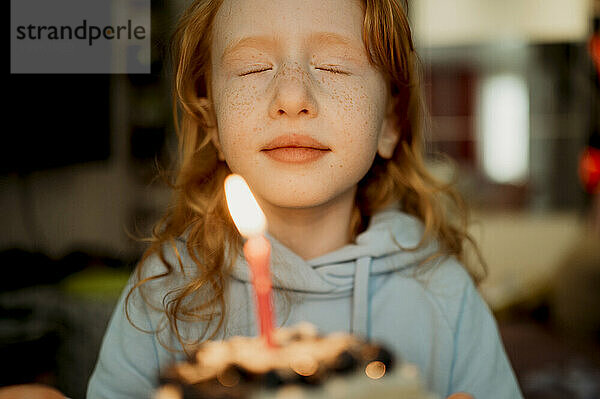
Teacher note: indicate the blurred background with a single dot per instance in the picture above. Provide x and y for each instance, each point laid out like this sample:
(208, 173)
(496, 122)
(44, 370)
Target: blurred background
(514, 95)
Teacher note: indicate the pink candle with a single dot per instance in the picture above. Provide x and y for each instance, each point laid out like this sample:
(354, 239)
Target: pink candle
(257, 251)
(251, 223)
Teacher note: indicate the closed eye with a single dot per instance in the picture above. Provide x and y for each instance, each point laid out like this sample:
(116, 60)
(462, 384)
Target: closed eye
(328, 69)
(333, 70)
(255, 71)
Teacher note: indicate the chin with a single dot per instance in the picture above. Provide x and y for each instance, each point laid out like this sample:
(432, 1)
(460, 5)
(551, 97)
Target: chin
(299, 194)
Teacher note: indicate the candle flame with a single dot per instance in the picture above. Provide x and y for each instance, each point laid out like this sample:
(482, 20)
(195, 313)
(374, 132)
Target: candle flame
(245, 211)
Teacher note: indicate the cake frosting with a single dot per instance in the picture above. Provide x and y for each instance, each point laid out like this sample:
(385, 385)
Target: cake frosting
(303, 364)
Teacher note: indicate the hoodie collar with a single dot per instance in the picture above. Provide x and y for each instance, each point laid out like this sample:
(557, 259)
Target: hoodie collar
(386, 242)
(386, 246)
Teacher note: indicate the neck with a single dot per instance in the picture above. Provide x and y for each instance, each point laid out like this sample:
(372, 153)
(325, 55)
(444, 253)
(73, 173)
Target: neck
(315, 231)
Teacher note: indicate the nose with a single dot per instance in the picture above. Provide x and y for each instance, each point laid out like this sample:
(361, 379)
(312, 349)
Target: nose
(293, 96)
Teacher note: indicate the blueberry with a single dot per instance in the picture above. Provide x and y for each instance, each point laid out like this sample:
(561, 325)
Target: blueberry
(244, 374)
(385, 356)
(272, 379)
(345, 362)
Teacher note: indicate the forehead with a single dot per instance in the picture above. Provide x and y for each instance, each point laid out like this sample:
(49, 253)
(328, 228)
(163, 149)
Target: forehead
(267, 23)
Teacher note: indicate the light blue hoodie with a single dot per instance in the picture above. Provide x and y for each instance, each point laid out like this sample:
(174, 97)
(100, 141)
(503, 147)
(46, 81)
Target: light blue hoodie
(434, 318)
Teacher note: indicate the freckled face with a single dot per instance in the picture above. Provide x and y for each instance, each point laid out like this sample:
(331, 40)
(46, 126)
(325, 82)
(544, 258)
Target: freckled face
(286, 77)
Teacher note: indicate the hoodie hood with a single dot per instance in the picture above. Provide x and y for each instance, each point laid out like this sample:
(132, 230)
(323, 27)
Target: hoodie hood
(385, 247)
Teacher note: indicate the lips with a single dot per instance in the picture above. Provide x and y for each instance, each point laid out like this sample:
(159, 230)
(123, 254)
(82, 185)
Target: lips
(295, 141)
(295, 148)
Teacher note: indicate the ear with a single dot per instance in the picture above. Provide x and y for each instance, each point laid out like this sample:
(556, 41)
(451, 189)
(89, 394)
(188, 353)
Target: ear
(212, 132)
(388, 136)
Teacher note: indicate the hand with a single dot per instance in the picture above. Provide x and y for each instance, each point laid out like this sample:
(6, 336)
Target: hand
(30, 391)
(460, 395)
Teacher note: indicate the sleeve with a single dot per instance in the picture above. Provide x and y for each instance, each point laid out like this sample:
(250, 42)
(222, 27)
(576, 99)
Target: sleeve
(128, 364)
(480, 365)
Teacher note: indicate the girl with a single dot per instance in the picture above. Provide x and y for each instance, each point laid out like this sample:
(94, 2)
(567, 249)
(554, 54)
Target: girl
(317, 104)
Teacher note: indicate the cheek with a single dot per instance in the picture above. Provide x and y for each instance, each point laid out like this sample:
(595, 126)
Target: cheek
(235, 108)
(358, 108)
(237, 103)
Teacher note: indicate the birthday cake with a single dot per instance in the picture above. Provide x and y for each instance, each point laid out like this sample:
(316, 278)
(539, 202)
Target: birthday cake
(303, 364)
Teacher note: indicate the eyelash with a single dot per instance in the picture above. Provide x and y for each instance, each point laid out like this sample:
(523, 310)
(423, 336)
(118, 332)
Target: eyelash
(334, 70)
(330, 69)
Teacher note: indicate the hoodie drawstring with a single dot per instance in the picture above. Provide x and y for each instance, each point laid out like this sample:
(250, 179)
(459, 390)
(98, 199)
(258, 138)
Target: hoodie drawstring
(360, 306)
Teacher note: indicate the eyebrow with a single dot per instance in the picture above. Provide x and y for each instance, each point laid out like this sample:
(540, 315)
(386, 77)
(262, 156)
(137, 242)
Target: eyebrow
(321, 38)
